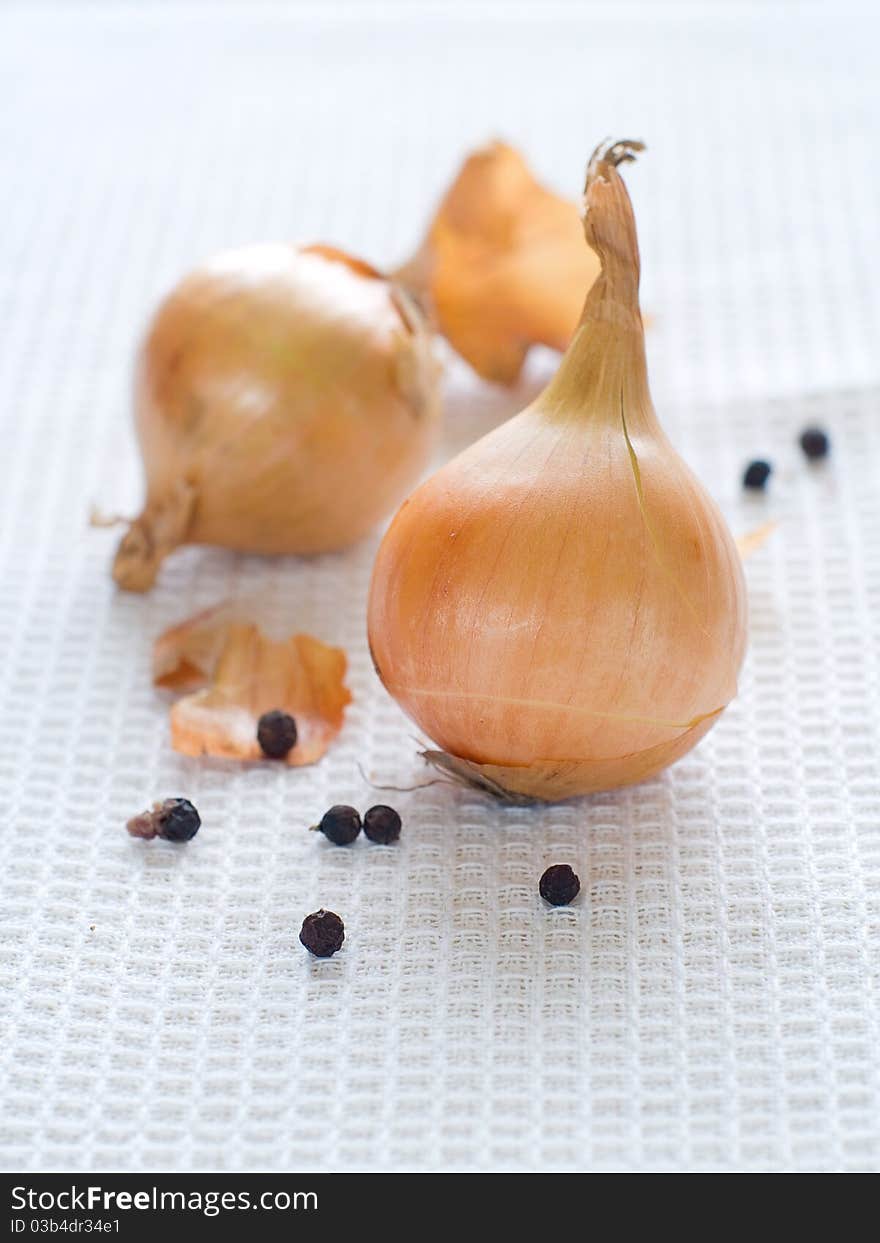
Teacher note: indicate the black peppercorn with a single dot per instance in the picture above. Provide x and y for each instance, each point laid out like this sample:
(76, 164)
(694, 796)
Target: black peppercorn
(756, 475)
(276, 734)
(178, 820)
(322, 933)
(175, 819)
(559, 885)
(815, 443)
(382, 825)
(340, 825)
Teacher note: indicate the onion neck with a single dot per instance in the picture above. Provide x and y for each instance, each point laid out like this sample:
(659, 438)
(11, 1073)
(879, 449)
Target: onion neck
(161, 528)
(604, 372)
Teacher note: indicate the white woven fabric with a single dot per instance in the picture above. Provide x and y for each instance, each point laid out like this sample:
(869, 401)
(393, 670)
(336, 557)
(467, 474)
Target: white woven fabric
(711, 1001)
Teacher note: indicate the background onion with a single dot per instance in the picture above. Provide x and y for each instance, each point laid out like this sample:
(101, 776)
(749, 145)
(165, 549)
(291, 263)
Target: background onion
(285, 399)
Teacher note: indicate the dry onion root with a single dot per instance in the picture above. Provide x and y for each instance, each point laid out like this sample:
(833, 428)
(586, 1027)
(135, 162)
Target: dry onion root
(234, 673)
(503, 266)
(561, 607)
(285, 400)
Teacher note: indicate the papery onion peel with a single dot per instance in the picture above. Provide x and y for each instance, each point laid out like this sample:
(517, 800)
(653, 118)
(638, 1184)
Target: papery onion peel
(234, 673)
(503, 266)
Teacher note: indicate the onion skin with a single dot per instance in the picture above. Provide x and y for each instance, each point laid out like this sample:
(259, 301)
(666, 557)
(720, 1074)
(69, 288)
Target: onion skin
(503, 266)
(562, 604)
(285, 399)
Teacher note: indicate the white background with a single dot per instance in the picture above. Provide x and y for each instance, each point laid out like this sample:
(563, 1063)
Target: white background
(711, 1000)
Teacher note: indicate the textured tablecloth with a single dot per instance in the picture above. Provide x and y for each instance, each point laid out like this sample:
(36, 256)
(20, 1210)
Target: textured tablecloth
(711, 1000)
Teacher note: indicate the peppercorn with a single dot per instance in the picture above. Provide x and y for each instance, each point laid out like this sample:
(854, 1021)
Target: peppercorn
(175, 819)
(382, 825)
(756, 474)
(276, 734)
(340, 825)
(815, 443)
(178, 820)
(559, 885)
(322, 933)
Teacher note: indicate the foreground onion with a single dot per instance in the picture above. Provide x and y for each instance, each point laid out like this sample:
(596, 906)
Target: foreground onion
(285, 400)
(503, 266)
(561, 608)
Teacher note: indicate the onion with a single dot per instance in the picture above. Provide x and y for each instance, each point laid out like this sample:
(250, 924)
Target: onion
(561, 607)
(285, 400)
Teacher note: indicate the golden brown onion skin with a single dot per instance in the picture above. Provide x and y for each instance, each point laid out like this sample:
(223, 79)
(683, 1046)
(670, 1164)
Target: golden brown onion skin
(503, 266)
(562, 604)
(285, 399)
